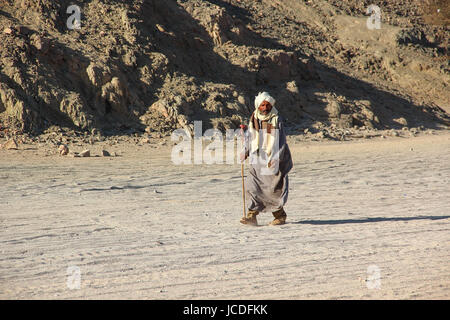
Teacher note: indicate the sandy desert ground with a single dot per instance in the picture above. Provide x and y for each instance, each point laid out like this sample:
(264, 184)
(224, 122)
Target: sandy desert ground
(368, 219)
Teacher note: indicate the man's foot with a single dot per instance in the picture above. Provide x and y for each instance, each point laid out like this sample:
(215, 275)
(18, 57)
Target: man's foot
(280, 218)
(277, 221)
(250, 219)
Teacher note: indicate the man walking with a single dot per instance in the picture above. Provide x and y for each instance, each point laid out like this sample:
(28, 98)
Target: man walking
(270, 162)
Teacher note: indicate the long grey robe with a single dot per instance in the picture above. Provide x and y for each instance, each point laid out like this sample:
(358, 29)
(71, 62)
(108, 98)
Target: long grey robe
(269, 191)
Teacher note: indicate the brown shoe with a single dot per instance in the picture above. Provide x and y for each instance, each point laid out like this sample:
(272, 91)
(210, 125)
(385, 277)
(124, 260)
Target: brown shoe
(280, 217)
(250, 219)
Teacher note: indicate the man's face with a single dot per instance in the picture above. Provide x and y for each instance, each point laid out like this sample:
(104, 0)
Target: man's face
(265, 107)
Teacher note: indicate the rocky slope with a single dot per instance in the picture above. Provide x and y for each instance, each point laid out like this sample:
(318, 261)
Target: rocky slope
(153, 66)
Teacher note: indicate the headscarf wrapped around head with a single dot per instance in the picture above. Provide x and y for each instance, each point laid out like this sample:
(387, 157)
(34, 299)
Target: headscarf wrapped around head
(264, 96)
(272, 116)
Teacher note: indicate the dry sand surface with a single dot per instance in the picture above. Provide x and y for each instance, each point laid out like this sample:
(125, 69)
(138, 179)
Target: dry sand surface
(139, 227)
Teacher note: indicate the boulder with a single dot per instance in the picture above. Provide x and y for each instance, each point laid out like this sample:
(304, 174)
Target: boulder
(8, 30)
(63, 150)
(334, 109)
(85, 153)
(11, 145)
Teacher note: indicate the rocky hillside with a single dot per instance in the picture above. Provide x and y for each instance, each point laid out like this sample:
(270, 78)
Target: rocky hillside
(154, 65)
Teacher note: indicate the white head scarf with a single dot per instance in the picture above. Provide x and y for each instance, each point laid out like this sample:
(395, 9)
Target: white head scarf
(264, 96)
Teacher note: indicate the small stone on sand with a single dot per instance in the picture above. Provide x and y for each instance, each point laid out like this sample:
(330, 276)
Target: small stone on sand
(63, 150)
(85, 153)
(10, 145)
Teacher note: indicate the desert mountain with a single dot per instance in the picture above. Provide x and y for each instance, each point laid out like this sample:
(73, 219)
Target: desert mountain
(125, 66)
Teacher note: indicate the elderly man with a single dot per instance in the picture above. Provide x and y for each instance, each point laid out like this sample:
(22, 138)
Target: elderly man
(270, 161)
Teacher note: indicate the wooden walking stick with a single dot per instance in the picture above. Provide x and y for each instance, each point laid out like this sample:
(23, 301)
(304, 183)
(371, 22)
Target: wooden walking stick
(243, 185)
(243, 127)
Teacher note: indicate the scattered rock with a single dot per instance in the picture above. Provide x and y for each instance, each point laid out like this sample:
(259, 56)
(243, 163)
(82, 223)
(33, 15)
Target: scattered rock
(345, 121)
(85, 153)
(320, 135)
(368, 124)
(11, 145)
(8, 30)
(106, 153)
(401, 121)
(334, 109)
(63, 150)
(160, 28)
(41, 44)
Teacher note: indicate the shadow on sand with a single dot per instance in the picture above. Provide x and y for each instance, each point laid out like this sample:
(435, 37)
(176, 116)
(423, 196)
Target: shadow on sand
(369, 220)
